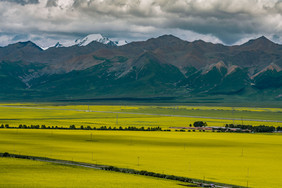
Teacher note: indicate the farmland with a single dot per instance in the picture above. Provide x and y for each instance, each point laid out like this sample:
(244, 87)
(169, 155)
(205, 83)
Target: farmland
(25, 173)
(240, 159)
(147, 116)
(243, 159)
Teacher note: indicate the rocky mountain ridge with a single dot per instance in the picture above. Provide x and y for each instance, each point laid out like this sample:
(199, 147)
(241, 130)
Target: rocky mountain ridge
(159, 67)
(88, 39)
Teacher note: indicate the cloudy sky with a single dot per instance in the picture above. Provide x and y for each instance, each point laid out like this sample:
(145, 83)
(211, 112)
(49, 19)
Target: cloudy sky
(220, 21)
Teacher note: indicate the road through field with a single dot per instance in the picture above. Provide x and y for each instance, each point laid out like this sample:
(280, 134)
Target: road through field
(190, 182)
(231, 158)
(138, 113)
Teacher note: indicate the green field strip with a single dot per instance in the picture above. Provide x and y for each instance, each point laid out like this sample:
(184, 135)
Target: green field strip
(196, 182)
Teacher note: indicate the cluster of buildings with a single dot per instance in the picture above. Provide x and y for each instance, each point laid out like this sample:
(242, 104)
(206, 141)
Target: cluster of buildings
(222, 129)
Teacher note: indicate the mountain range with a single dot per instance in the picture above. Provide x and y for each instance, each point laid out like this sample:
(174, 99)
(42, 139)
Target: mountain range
(88, 39)
(163, 67)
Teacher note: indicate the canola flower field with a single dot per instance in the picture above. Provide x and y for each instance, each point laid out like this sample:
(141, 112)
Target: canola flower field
(243, 159)
(138, 116)
(33, 174)
(250, 160)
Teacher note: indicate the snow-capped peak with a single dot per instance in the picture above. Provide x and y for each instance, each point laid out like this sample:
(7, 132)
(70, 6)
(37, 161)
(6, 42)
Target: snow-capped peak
(88, 39)
(121, 42)
(93, 37)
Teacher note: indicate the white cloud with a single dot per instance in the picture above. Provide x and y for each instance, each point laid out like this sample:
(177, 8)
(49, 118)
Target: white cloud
(227, 21)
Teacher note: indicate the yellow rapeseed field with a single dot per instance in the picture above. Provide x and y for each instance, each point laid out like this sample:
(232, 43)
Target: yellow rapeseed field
(147, 116)
(252, 160)
(34, 174)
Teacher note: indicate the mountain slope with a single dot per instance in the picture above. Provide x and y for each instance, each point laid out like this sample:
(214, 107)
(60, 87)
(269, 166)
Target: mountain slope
(164, 66)
(147, 77)
(269, 77)
(19, 51)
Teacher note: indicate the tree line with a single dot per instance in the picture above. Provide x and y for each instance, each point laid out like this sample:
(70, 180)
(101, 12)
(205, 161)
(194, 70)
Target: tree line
(260, 128)
(197, 182)
(241, 128)
(73, 127)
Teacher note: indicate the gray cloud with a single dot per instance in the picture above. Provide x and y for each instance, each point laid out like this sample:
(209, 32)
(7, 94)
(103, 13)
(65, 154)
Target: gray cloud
(227, 21)
(52, 3)
(22, 2)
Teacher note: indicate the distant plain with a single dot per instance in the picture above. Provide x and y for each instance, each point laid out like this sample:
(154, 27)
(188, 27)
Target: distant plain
(135, 115)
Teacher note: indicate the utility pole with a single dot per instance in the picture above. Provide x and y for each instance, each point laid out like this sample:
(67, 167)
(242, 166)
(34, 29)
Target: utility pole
(117, 120)
(233, 114)
(248, 177)
(189, 166)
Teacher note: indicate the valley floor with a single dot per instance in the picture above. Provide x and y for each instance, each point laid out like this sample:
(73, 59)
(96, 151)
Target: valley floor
(252, 160)
(25, 173)
(134, 115)
(243, 159)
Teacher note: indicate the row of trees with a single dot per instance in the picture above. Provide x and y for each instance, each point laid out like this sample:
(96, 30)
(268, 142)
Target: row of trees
(73, 127)
(147, 173)
(110, 168)
(129, 128)
(260, 128)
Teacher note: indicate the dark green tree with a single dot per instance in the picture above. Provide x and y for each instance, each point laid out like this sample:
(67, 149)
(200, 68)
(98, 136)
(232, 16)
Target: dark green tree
(200, 124)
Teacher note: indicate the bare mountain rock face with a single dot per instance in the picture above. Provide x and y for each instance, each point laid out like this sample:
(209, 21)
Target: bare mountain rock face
(159, 67)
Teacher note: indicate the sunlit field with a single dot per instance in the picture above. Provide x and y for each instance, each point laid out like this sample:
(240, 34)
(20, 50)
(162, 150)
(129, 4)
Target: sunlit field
(139, 116)
(252, 160)
(26, 173)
